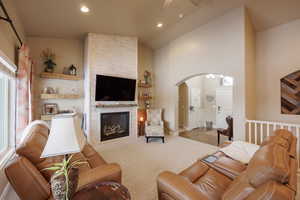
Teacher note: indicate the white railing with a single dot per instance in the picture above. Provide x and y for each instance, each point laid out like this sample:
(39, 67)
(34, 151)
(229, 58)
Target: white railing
(257, 131)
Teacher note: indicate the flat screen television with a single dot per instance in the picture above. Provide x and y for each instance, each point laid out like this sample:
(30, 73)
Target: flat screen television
(110, 88)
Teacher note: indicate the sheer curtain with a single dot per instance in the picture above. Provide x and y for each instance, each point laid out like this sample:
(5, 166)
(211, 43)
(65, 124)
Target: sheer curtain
(24, 92)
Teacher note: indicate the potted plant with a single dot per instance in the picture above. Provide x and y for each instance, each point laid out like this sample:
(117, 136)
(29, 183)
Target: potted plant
(65, 178)
(48, 57)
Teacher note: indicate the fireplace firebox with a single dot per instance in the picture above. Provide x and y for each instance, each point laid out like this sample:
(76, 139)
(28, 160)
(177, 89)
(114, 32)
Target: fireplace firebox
(114, 125)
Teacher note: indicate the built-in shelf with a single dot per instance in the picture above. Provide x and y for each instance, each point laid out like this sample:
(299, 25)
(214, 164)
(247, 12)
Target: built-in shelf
(145, 98)
(115, 105)
(60, 96)
(143, 85)
(46, 117)
(59, 76)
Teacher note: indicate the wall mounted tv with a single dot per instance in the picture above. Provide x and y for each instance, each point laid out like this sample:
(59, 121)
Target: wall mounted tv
(110, 88)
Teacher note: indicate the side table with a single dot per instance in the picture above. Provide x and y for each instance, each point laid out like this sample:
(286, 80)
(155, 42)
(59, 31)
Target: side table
(103, 191)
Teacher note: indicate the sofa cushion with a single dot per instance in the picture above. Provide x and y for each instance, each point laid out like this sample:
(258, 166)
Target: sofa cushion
(212, 184)
(270, 162)
(195, 171)
(239, 189)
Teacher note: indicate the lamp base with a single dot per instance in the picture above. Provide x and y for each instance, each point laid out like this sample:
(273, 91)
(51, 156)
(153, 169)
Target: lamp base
(58, 185)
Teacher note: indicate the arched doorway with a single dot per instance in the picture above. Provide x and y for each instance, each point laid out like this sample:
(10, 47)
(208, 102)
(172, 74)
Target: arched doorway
(204, 102)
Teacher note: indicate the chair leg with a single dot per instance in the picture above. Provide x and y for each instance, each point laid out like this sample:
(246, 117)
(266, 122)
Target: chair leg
(230, 138)
(218, 139)
(147, 139)
(163, 139)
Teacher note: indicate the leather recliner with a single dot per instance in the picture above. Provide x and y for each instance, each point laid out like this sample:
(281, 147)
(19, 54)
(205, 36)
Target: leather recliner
(270, 175)
(26, 175)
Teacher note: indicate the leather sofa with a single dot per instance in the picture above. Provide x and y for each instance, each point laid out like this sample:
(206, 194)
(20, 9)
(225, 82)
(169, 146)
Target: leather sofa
(271, 174)
(30, 182)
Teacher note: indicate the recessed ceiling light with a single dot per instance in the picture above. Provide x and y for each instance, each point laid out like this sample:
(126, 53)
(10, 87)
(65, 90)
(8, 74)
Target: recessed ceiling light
(84, 9)
(159, 25)
(181, 16)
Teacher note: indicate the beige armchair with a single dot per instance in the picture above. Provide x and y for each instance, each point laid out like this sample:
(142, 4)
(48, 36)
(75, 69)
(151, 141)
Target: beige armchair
(154, 126)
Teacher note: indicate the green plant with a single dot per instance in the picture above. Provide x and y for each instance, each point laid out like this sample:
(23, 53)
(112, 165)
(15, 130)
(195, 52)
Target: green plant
(64, 169)
(48, 57)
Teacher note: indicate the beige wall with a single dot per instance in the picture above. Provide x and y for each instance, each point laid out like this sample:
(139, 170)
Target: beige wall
(67, 51)
(278, 54)
(145, 62)
(250, 75)
(217, 47)
(8, 40)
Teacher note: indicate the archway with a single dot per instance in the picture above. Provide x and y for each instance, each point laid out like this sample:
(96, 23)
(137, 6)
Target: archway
(208, 101)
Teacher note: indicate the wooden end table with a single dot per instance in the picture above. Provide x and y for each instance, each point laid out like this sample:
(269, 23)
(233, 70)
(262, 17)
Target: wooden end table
(103, 191)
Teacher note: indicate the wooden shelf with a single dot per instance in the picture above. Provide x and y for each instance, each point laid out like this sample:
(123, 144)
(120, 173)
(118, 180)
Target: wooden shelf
(59, 76)
(60, 96)
(145, 98)
(143, 85)
(46, 117)
(115, 105)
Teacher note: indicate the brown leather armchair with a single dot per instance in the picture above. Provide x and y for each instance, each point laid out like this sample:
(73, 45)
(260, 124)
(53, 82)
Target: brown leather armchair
(227, 132)
(270, 175)
(30, 182)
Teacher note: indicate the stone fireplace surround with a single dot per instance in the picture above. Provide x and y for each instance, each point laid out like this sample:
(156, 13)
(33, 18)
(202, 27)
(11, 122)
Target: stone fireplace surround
(114, 125)
(110, 55)
(132, 122)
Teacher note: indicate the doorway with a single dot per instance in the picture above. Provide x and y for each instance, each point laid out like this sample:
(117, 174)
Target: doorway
(204, 103)
(183, 103)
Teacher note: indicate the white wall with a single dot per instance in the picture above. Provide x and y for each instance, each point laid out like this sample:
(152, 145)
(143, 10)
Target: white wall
(278, 54)
(8, 40)
(217, 47)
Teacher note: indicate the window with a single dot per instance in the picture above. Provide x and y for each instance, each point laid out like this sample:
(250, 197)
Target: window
(7, 105)
(4, 112)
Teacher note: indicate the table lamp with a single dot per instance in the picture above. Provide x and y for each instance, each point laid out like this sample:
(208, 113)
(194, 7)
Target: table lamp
(65, 138)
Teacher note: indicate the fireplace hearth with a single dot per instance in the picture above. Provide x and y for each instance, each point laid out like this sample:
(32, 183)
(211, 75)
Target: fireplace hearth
(114, 125)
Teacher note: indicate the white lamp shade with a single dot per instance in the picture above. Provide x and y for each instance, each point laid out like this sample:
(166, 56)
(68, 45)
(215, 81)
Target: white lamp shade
(66, 136)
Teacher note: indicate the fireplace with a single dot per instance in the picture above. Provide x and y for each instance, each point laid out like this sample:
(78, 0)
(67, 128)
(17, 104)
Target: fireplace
(114, 125)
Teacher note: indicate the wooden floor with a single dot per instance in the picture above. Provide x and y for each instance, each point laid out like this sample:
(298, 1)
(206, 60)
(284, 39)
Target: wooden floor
(203, 135)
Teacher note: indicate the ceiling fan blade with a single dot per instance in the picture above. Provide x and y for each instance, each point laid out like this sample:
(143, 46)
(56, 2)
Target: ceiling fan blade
(167, 3)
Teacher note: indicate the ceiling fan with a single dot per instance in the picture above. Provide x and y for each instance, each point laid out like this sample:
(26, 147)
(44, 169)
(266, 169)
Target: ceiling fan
(194, 2)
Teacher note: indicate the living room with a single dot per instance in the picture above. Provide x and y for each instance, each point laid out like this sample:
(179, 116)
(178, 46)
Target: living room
(122, 78)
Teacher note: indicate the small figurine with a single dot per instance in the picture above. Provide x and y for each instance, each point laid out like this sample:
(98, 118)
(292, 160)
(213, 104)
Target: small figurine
(147, 77)
(72, 70)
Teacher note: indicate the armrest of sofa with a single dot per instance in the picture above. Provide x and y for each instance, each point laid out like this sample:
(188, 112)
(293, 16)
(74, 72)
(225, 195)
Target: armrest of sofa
(24, 176)
(177, 187)
(108, 172)
(226, 165)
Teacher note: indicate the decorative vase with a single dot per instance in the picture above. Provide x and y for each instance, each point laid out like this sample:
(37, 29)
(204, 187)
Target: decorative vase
(49, 66)
(58, 185)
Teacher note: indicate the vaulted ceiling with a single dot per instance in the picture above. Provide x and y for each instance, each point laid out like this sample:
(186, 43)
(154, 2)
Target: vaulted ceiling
(62, 18)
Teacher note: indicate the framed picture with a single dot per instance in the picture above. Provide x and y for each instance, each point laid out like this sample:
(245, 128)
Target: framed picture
(290, 98)
(50, 109)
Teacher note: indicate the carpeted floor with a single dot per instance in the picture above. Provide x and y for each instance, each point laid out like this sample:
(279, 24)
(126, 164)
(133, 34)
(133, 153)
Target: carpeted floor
(205, 136)
(141, 162)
